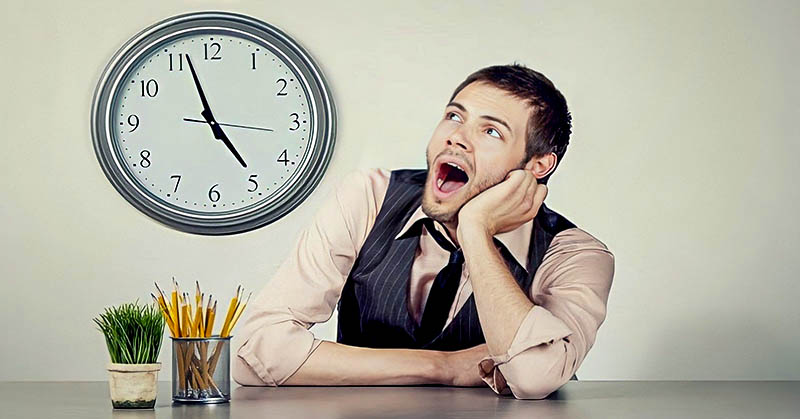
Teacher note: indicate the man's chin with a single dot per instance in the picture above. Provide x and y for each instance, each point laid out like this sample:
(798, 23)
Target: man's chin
(438, 210)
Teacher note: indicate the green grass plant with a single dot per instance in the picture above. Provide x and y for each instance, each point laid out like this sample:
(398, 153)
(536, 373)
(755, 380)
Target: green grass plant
(133, 332)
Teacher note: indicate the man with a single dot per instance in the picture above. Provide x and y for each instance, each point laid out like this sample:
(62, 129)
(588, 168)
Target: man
(456, 275)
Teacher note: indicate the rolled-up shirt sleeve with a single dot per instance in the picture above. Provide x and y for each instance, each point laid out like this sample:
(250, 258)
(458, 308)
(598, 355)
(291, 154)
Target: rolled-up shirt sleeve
(306, 287)
(569, 292)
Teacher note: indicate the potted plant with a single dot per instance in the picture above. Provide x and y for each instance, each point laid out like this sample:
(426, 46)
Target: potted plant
(133, 335)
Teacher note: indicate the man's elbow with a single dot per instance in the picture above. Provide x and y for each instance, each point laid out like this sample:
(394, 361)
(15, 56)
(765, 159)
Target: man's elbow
(535, 389)
(243, 374)
(541, 371)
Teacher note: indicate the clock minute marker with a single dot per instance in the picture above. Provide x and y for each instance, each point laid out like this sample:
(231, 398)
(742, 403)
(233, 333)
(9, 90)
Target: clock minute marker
(209, 117)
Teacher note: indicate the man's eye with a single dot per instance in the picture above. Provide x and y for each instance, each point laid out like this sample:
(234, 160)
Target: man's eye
(450, 114)
(495, 131)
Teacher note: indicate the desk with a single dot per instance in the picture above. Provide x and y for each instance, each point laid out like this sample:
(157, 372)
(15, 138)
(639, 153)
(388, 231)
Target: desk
(577, 399)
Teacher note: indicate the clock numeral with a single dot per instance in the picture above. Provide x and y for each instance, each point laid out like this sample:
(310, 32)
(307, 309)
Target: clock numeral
(295, 121)
(133, 121)
(214, 53)
(212, 194)
(180, 62)
(283, 158)
(253, 54)
(177, 182)
(252, 180)
(150, 88)
(281, 92)
(145, 155)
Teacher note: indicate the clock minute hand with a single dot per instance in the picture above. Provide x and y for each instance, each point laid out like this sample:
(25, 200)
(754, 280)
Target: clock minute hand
(209, 117)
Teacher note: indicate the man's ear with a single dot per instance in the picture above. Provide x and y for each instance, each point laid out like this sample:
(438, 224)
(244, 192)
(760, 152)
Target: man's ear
(543, 165)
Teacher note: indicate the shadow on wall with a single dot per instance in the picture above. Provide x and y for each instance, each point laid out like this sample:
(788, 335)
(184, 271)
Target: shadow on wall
(724, 346)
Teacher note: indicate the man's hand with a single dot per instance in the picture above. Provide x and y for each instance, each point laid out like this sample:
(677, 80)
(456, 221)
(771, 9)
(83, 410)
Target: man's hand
(462, 366)
(504, 206)
(501, 303)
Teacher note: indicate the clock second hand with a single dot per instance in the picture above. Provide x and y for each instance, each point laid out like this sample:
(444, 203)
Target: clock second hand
(229, 125)
(209, 117)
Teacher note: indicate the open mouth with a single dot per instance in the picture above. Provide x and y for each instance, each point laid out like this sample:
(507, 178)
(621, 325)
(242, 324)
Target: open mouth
(450, 177)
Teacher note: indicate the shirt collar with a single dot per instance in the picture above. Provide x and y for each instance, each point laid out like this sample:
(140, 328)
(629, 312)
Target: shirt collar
(517, 241)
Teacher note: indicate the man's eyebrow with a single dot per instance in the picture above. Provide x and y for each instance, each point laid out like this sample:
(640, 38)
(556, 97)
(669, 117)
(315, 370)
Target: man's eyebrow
(457, 105)
(489, 117)
(499, 121)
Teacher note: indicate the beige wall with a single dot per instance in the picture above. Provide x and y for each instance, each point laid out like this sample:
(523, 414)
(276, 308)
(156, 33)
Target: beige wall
(683, 161)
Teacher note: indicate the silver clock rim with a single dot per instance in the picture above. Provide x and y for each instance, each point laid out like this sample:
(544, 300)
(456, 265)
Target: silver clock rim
(114, 90)
(308, 176)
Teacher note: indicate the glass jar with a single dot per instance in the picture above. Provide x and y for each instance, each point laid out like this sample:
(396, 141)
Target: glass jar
(201, 370)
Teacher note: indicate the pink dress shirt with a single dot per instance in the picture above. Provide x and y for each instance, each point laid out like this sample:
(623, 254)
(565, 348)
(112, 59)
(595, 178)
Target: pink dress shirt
(569, 291)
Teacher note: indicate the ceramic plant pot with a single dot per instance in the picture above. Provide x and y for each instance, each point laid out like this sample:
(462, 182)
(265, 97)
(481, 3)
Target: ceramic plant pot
(133, 386)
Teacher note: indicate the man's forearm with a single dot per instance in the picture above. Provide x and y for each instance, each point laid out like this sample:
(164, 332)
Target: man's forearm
(501, 304)
(337, 364)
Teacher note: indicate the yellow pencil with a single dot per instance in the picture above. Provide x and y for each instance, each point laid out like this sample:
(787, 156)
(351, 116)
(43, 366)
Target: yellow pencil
(197, 294)
(185, 323)
(198, 301)
(211, 317)
(237, 315)
(198, 317)
(202, 322)
(207, 327)
(229, 316)
(160, 302)
(176, 314)
(163, 299)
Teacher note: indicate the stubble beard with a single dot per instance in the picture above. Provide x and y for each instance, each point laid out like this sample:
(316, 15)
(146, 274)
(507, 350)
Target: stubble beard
(450, 218)
(434, 209)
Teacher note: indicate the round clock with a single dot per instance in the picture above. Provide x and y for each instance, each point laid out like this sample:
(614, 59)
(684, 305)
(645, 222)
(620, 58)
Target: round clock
(213, 123)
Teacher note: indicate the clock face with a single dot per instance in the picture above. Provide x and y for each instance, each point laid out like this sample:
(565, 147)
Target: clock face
(213, 123)
(257, 100)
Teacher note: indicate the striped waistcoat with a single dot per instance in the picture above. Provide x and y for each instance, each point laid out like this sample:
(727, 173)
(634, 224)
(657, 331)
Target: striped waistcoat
(373, 308)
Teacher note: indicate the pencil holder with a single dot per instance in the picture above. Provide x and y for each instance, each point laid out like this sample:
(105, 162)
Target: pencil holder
(201, 370)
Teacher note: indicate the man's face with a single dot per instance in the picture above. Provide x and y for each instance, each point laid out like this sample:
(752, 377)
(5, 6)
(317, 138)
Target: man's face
(483, 132)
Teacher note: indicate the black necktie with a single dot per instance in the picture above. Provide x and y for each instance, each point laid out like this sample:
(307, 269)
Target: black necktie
(443, 291)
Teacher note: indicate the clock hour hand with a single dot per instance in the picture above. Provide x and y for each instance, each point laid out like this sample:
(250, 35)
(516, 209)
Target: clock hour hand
(218, 131)
(209, 117)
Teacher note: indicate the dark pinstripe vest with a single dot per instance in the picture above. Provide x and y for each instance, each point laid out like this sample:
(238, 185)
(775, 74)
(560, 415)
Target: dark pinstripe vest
(373, 308)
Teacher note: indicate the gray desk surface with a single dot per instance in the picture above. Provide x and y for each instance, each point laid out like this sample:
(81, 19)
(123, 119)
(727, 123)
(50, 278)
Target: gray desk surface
(577, 399)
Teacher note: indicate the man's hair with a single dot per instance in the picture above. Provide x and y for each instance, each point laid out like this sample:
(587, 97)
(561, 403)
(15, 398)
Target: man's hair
(550, 123)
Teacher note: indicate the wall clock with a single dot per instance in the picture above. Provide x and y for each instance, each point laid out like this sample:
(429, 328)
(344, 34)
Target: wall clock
(213, 122)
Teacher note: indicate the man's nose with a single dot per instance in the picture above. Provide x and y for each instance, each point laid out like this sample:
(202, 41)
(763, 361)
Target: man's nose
(458, 139)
